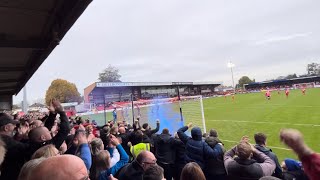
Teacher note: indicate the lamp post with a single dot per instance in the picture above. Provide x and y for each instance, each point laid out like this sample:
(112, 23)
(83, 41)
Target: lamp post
(231, 66)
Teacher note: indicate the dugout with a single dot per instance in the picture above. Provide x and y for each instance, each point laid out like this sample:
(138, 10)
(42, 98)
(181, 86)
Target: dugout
(283, 83)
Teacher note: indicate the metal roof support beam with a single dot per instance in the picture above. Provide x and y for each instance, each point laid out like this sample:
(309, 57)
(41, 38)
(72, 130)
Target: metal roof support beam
(8, 80)
(11, 69)
(32, 44)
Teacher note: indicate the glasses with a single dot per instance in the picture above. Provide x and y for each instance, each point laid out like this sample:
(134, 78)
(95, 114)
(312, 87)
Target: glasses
(151, 163)
(85, 178)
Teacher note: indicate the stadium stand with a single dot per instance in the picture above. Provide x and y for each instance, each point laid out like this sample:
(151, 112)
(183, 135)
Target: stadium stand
(106, 151)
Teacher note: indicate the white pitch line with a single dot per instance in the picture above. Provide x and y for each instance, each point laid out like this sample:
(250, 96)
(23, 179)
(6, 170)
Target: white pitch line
(274, 147)
(265, 122)
(260, 106)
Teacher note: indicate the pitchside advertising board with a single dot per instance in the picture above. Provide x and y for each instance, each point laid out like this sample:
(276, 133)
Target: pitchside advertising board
(128, 84)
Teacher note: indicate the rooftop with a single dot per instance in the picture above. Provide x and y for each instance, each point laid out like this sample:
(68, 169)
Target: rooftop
(29, 32)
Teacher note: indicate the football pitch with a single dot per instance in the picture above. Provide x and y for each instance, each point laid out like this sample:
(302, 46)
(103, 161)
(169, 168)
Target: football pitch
(252, 113)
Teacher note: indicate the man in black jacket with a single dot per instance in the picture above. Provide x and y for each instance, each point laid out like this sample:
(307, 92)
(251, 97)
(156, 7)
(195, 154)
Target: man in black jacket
(214, 167)
(41, 136)
(135, 170)
(14, 158)
(124, 140)
(146, 129)
(261, 141)
(165, 152)
(180, 151)
(18, 153)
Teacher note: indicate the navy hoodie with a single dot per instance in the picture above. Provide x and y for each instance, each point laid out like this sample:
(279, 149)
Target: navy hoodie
(197, 150)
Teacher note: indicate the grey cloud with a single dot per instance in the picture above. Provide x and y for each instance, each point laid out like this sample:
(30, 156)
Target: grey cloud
(184, 40)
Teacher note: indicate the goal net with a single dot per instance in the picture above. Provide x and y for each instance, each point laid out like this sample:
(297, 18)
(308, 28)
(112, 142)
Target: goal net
(304, 85)
(167, 111)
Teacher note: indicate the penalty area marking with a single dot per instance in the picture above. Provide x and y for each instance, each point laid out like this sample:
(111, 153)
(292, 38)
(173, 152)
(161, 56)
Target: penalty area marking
(266, 122)
(273, 147)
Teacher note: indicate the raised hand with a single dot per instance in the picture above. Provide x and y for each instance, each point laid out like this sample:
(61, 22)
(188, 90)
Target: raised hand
(294, 139)
(189, 125)
(51, 108)
(57, 106)
(81, 137)
(114, 141)
(245, 139)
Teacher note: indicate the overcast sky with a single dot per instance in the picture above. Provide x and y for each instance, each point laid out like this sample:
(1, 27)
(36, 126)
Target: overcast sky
(184, 40)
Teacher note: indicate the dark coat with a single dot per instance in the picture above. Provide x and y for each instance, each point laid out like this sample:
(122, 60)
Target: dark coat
(125, 139)
(197, 150)
(14, 158)
(132, 171)
(18, 153)
(180, 153)
(268, 152)
(150, 132)
(57, 140)
(214, 166)
(165, 148)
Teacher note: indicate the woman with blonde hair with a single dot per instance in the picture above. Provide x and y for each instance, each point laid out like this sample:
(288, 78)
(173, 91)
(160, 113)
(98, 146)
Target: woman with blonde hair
(192, 171)
(96, 146)
(102, 167)
(45, 152)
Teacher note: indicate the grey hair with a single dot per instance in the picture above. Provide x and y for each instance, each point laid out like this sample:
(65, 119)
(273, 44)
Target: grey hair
(28, 167)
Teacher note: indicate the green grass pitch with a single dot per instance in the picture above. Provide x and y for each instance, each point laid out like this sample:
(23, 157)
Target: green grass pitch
(251, 113)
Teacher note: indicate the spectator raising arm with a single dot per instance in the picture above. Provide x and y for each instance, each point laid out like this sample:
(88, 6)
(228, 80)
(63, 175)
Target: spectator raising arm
(49, 122)
(182, 136)
(115, 157)
(64, 127)
(83, 148)
(124, 158)
(310, 160)
(153, 131)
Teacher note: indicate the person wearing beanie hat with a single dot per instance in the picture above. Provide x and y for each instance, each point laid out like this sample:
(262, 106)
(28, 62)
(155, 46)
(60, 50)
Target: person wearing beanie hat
(292, 169)
(214, 167)
(196, 149)
(292, 165)
(213, 133)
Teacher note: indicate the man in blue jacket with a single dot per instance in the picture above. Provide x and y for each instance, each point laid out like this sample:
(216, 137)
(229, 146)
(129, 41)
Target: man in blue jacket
(197, 150)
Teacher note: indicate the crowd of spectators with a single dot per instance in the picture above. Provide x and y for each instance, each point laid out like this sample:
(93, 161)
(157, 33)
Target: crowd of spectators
(53, 146)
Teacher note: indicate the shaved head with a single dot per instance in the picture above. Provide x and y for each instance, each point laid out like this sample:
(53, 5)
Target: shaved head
(39, 134)
(121, 130)
(61, 167)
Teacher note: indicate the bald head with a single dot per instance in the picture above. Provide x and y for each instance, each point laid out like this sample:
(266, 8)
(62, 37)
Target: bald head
(39, 134)
(50, 169)
(146, 159)
(122, 130)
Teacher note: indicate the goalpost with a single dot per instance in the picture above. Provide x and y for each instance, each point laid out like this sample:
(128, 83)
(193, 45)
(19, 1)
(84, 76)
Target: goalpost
(192, 111)
(167, 111)
(304, 85)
